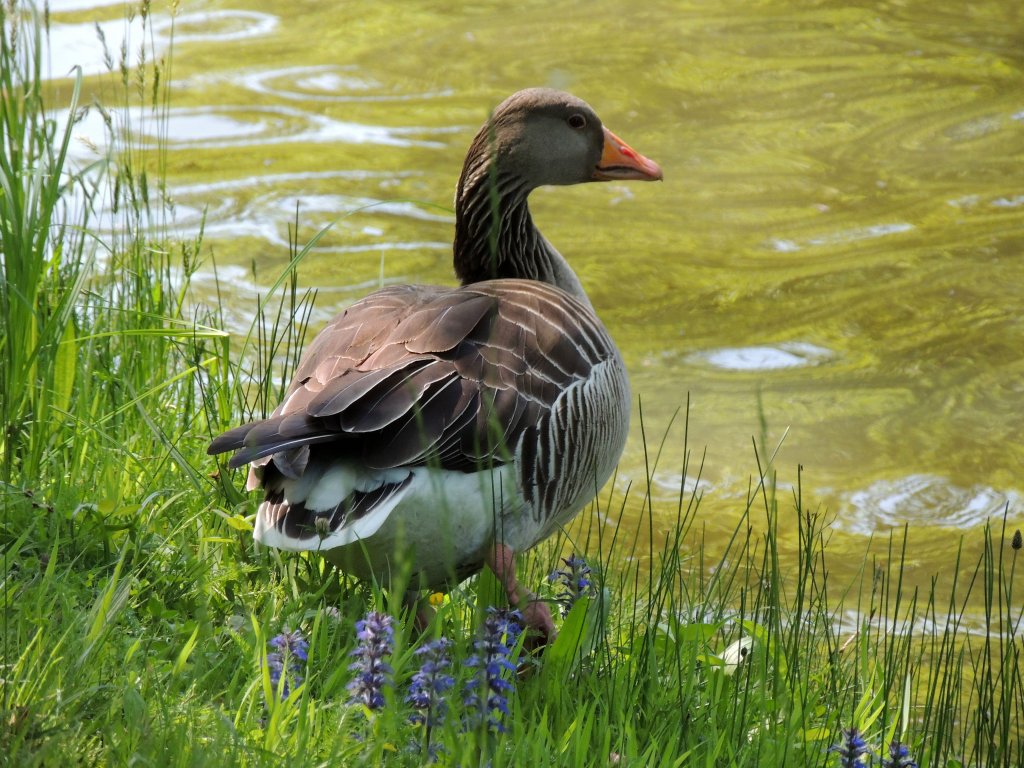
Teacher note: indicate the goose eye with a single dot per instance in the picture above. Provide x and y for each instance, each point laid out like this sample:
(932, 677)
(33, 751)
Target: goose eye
(577, 121)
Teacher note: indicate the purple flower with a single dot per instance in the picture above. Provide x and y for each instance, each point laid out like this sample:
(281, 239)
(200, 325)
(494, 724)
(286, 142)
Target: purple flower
(493, 650)
(430, 683)
(375, 635)
(287, 660)
(292, 643)
(899, 756)
(574, 580)
(850, 749)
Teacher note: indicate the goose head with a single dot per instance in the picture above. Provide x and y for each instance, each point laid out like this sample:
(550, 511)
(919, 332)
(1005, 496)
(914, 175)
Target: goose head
(534, 138)
(541, 136)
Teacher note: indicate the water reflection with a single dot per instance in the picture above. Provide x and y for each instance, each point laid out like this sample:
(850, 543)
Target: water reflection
(1008, 202)
(793, 354)
(79, 45)
(835, 254)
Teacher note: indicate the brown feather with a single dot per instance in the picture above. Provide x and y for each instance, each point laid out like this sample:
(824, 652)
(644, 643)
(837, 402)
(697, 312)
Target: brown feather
(510, 345)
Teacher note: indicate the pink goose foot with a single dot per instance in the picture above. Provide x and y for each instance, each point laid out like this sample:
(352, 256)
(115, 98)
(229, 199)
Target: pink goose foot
(501, 560)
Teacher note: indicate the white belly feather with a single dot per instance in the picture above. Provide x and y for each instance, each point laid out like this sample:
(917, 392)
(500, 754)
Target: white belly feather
(441, 520)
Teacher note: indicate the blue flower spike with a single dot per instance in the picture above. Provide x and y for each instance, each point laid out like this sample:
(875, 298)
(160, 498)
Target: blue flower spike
(492, 657)
(429, 684)
(899, 756)
(287, 660)
(426, 695)
(574, 580)
(851, 749)
(372, 672)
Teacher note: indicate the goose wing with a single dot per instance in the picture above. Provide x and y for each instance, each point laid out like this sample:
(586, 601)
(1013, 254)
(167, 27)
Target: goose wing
(412, 375)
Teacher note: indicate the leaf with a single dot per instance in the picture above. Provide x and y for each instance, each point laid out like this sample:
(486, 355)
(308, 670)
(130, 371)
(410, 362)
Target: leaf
(239, 523)
(134, 708)
(764, 639)
(581, 631)
(696, 632)
(186, 651)
(815, 734)
(489, 590)
(64, 366)
(570, 636)
(132, 650)
(156, 608)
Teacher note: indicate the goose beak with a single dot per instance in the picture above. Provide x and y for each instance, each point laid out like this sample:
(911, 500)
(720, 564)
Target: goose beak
(619, 162)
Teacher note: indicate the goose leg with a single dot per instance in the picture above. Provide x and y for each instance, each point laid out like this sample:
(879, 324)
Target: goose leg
(536, 613)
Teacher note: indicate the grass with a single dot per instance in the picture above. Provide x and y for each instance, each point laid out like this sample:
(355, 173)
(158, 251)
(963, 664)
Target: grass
(137, 611)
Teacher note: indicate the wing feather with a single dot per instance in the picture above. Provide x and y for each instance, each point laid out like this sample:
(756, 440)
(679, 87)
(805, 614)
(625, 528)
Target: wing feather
(413, 374)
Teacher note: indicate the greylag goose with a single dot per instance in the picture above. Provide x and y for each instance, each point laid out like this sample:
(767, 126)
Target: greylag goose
(449, 428)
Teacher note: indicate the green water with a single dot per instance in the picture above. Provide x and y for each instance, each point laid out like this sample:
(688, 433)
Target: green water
(839, 233)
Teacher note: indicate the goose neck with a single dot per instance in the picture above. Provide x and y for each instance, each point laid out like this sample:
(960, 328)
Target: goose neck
(495, 236)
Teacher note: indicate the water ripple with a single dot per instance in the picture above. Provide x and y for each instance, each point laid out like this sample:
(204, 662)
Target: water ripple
(71, 45)
(853, 235)
(328, 82)
(78, 45)
(264, 206)
(224, 127)
(66, 6)
(922, 499)
(216, 26)
(219, 127)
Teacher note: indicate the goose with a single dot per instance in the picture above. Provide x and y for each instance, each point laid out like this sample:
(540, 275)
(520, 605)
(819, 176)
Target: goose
(441, 429)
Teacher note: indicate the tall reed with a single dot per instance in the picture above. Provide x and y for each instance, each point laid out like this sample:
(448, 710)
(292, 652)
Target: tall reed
(44, 251)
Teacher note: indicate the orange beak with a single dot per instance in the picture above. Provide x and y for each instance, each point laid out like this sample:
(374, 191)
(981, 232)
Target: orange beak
(619, 162)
